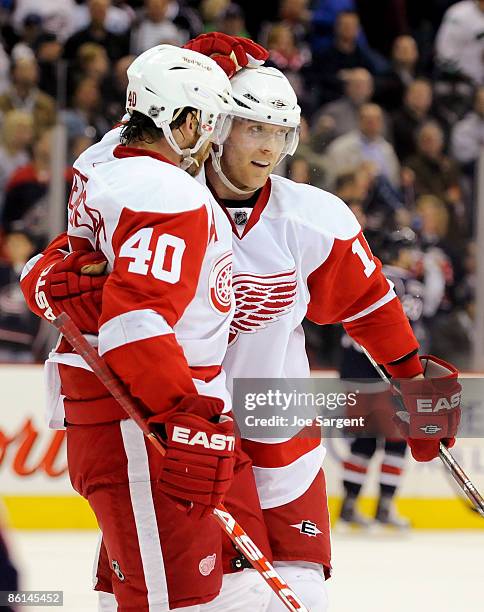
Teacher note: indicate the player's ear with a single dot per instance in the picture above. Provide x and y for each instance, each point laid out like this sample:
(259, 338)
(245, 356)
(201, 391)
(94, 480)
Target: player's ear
(189, 128)
(191, 123)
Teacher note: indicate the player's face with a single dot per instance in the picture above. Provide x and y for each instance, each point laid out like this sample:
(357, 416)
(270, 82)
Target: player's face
(251, 152)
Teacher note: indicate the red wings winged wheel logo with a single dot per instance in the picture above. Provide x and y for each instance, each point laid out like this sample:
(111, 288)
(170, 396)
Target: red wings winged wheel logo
(261, 299)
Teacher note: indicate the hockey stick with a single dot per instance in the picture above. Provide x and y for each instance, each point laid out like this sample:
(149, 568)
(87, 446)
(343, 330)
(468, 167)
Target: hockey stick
(445, 455)
(226, 521)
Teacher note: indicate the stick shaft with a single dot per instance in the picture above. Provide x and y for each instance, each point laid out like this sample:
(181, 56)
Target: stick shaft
(445, 455)
(234, 531)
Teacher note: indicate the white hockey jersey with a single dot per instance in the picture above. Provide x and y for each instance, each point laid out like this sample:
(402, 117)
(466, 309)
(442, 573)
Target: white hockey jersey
(301, 253)
(168, 246)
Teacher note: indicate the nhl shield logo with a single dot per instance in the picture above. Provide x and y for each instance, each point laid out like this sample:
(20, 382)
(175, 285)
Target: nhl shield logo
(207, 564)
(220, 284)
(240, 217)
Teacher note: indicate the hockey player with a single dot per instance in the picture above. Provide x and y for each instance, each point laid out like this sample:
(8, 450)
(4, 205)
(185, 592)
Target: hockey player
(400, 256)
(304, 243)
(163, 330)
(299, 251)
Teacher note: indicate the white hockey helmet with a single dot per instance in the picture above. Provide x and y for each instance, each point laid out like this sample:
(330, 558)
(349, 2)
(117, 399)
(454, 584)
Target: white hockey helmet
(165, 79)
(264, 95)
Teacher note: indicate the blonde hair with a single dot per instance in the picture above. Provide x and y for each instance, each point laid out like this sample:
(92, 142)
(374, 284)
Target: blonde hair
(88, 52)
(275, 32)
(12, 120)
(428, 203)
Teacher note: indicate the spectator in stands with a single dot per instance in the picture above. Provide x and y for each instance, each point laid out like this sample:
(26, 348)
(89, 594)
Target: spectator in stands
(467, 141)
(284, 52)
(296, 15)
(299, 170)
(414, 112)
(390, 86)
(48, 51)
(16, 140)
(345, 187)
(329, 69)
(439, 175)
(366, 143)
(114, 90)
(4, 68)
(460, 41)
(435, 173)
(155, 27)
(85, 117)
(24, 94)
(58, 17)
(119, 17)
(323, 18)
(381, 202)
(116, 45)
(210, 11)
(288, 57)
(311, 145)
(433, 221)
(26, 193)
(18, 328)
(343, 114)
(370, 199)
(32, 28)
(186, 19)
(93, 62)
(78, 145)
(231, 21)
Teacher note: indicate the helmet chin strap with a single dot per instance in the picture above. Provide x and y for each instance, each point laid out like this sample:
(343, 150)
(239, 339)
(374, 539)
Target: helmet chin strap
(187, 159)
(216, 158)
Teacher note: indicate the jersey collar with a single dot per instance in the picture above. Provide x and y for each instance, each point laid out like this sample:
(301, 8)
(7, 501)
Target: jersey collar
(256, 212)
(121, 151)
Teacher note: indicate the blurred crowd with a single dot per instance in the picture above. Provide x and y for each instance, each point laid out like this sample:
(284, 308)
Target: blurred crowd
(392, 93)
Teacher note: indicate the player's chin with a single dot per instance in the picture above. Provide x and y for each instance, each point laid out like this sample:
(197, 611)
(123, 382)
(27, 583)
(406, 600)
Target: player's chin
(257, 176)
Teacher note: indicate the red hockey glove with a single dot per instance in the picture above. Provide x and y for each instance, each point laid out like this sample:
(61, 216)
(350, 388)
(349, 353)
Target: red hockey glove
(230, 52)
(68, 290)
(200, 452)
(432, 408)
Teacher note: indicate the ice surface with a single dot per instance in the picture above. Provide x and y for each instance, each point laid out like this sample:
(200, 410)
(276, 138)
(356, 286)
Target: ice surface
(418, 572)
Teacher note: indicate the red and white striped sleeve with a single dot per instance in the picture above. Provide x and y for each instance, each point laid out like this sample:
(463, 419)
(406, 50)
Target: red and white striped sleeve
(158, 258)
(349, 287)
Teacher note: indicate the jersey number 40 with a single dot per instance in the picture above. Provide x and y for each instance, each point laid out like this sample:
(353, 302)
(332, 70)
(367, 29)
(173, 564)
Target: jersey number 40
(165, 264)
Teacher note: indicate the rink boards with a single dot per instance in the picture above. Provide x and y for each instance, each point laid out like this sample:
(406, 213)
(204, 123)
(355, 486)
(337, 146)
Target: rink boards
(37, 494)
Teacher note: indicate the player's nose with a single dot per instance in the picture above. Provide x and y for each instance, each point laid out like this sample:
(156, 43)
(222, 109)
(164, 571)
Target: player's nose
(268, 147)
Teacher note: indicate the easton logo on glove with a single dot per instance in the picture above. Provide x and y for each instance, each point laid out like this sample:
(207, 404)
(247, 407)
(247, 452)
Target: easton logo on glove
(432, 408)
(437, 404)
(183, 435)
(41, 297)
(198, 465)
